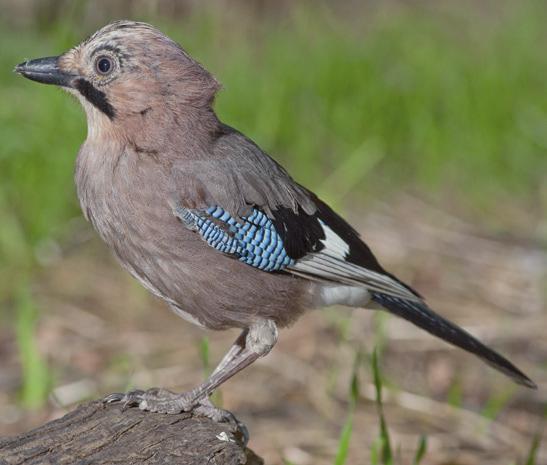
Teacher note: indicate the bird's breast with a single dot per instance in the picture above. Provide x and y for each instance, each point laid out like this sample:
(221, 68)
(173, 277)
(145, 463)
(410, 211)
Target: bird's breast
(124, 197)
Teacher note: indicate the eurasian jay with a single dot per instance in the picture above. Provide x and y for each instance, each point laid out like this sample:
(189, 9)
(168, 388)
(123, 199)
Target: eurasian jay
(204, 218)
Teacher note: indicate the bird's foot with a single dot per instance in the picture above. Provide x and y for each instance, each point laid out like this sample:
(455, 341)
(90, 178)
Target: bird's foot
(157, 400)
(161, 400)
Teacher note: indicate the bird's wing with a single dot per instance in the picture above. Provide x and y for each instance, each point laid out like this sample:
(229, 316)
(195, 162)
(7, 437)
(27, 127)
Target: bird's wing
(320, 246)
(244, 204)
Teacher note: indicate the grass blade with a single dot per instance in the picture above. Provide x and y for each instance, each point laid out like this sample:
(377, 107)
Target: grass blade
(420, 452)
(36, 378)
(531, 459)
(345, 436)
(204, 355)
(386, 450)
(534, 447)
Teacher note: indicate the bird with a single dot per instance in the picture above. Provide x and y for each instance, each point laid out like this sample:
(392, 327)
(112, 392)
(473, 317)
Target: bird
(204, 218)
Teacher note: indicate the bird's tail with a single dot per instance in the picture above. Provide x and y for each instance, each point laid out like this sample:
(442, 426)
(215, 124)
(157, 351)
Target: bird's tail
(422, 316)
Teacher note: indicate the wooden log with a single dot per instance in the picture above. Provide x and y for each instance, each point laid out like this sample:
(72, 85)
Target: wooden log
(97, 434)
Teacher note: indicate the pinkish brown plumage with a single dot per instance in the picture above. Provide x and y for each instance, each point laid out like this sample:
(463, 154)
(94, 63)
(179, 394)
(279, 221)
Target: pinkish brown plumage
(206, 220)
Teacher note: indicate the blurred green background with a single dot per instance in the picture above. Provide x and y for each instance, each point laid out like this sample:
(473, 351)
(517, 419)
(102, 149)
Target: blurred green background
(448, 99)
(359, 100)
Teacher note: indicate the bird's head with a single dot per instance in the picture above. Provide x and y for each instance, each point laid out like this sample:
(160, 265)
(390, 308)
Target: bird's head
(126, 72)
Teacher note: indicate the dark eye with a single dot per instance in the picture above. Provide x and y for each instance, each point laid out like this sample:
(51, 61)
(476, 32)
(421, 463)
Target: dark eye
(104, 65)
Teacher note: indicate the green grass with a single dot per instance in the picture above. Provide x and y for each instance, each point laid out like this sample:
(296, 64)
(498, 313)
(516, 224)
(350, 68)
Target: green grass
(420, 451)
(382, 452)
(534, 448)
(204, 355)
(497, 401)
(35, 374)
(531, 458)
(401, 99)
(444, 102)
(347, 430)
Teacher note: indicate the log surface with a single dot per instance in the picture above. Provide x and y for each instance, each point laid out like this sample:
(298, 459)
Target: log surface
(104, 434)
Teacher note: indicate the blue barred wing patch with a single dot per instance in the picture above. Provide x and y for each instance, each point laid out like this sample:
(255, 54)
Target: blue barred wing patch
(253, 239)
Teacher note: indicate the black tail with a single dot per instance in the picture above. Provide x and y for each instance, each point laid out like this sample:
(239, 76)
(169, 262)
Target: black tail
(422, 316)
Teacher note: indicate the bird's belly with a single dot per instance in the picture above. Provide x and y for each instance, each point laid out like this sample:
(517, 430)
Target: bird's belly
(205, 287)
(153, 289)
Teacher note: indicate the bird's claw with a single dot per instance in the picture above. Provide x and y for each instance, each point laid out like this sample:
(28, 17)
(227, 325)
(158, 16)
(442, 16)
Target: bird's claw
(127, 399)
(153, 400)
(163, 401)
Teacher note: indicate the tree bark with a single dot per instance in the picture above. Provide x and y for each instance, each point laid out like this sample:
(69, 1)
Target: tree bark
(95, 433)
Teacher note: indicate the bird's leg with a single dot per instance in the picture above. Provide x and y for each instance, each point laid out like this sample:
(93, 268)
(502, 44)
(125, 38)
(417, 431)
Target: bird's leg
(252, 344)
(205, 407)
(235, 349)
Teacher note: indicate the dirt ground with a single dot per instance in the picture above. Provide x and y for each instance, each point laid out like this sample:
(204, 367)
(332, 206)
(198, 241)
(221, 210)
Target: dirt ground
(100, 332)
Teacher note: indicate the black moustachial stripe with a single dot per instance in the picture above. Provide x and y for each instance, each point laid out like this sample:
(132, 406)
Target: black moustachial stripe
(95, 97)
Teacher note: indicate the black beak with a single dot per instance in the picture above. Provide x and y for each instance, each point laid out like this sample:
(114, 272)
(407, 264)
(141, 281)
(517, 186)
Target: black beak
(46, 71)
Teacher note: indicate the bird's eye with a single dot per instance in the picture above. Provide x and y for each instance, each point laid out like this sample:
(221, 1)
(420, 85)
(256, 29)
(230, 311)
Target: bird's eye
(104, 65)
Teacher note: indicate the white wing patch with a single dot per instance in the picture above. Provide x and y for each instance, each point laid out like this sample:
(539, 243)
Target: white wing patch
(334, 243)
(330, 264)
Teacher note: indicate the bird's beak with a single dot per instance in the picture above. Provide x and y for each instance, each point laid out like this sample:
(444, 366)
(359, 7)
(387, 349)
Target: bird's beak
(46, 71)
